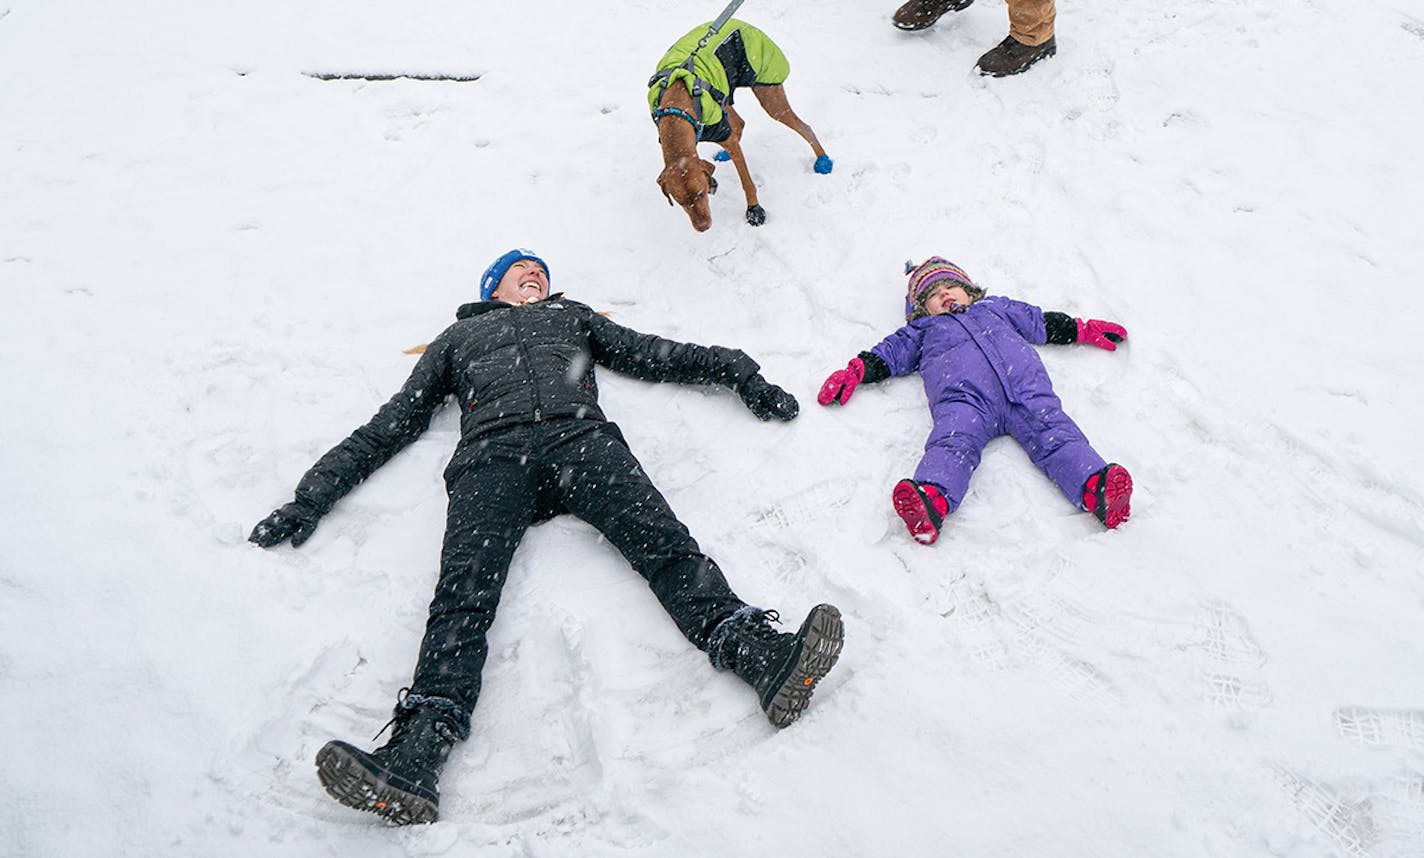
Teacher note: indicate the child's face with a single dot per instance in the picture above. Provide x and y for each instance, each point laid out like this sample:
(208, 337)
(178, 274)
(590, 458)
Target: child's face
(947, 299)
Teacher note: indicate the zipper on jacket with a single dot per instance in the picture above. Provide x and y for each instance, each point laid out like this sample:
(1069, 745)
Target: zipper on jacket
(528, 367)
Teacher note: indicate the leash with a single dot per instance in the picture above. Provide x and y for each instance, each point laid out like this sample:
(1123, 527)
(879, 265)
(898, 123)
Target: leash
(718, 24)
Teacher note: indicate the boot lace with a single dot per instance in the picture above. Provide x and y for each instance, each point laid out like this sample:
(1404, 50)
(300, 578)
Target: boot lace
(748, 624)
(761, 630)
(401, 697)
(453, 723)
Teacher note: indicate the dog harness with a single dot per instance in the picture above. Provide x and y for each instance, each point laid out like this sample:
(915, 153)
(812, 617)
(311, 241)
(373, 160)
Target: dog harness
(659, 83)
(739, 55)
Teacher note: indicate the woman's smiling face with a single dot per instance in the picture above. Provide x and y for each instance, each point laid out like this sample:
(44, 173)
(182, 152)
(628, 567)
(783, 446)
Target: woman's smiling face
(525, 282)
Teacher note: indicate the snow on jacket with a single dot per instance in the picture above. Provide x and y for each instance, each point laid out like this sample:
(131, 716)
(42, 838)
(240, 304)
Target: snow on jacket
(507, 366)
(984, 355)
(765, 61)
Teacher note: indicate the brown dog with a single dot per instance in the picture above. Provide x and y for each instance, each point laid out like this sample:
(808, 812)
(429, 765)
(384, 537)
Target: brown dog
(691, 101)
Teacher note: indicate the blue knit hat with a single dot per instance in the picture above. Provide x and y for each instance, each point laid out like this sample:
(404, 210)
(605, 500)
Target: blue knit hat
(495, 272)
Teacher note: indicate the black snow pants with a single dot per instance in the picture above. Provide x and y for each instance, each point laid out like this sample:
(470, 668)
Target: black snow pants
(504, 482)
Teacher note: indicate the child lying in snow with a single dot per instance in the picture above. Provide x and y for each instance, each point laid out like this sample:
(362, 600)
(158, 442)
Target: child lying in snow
(984, 379)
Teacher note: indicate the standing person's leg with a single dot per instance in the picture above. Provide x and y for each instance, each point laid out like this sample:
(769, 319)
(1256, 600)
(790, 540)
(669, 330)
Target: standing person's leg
(601, 482)
(491, 504)
(1030, 39)
(1031, 21)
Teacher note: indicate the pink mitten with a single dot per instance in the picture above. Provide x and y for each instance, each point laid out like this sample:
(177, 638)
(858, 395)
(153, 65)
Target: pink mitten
(1104, 335)
(841, 383)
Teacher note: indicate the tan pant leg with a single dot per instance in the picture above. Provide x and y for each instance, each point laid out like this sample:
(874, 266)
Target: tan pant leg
(1031, 21)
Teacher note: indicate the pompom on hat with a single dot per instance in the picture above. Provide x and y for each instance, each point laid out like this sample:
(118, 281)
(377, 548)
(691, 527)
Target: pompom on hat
(489, 281)
(925, 276)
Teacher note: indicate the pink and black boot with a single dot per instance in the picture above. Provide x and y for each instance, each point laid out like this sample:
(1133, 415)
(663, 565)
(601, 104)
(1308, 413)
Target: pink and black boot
(923, 507)
(1108, 495)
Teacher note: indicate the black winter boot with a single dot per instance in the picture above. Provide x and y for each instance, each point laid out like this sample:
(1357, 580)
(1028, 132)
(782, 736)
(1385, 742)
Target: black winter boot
(399, 780)
(783, 668)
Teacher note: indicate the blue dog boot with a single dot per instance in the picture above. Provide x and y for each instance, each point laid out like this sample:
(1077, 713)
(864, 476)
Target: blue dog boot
(722, 155)
(824, 164)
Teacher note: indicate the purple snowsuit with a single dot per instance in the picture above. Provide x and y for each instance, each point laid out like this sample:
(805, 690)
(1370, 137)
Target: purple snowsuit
(984, 379)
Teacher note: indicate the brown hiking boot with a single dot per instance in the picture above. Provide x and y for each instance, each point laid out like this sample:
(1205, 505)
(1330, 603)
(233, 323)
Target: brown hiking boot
(921, 14)
(1012, 56)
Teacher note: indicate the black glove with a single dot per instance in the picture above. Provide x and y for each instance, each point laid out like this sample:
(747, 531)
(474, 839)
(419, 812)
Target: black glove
(766, 400)
(294, 521)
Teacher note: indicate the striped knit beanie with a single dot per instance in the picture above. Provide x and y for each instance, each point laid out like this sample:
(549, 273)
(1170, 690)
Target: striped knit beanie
(926, 275)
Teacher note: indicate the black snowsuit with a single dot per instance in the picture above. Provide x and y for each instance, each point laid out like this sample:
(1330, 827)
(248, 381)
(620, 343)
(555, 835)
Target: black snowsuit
(534, 443)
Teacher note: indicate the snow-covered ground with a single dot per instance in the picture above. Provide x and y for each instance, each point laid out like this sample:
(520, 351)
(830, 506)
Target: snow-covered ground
(211, 261)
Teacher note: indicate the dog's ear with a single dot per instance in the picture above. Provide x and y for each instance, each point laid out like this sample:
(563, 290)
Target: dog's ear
(707, 166)
(662, 186)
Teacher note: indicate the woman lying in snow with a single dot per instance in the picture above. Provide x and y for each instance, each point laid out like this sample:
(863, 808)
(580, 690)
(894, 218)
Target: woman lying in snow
(984, 379)
(534, 443)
